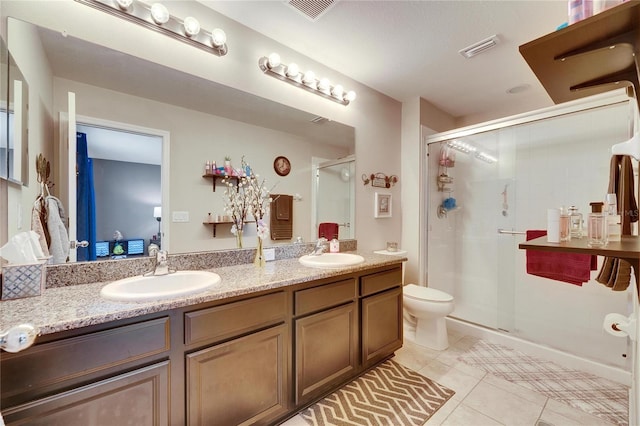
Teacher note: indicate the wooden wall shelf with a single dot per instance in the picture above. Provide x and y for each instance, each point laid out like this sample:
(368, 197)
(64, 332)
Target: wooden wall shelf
(220, 223)
(214, 178)
(581, 60)
(628, 248)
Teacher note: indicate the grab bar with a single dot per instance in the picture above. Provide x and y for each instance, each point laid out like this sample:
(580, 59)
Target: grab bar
(506, 231)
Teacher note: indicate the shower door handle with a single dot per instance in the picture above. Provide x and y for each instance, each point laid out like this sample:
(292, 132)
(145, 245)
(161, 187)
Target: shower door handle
(506, 231)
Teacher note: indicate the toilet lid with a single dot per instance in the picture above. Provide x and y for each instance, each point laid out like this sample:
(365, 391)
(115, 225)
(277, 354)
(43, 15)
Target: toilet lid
(426, 293)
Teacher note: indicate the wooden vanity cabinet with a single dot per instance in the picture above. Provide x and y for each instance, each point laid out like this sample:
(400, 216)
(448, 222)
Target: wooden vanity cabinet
(381, 315)
(115, 374)
(242, 378)
(326, 337)
(251, 359)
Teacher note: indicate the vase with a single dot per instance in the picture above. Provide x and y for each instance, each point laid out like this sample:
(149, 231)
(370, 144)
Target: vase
(239, 238)
(259, 259)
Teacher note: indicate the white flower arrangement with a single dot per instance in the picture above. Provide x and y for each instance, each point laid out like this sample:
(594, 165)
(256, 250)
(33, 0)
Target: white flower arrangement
(249, 196)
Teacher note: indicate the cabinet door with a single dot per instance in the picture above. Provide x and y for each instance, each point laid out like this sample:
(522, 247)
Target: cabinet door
(326, 350)
(140, 397)
(381, 325)
(243, 381)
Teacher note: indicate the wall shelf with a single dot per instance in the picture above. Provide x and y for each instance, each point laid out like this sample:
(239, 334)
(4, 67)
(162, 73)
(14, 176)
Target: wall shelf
(592, 56)
(628, 248)
(215, 177)
(215, 224)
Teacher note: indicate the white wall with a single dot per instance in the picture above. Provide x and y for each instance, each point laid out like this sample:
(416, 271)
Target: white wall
(375, 117)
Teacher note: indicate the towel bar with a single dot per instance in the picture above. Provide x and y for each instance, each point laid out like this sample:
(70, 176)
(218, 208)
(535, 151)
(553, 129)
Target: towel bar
(506, 231)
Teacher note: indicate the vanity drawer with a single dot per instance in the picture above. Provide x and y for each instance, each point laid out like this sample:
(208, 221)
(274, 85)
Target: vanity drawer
(233, 319)
(324, 296)
(50, 365)
(375, 283)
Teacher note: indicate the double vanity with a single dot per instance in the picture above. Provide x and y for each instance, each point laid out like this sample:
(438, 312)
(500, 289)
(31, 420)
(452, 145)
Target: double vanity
(255, 348)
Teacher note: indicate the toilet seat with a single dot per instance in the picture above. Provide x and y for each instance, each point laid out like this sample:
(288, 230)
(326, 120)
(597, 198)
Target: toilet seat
(426, 293)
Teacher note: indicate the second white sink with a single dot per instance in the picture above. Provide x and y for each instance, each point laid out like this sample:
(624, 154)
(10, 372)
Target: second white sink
(331, 260)
(157, 287)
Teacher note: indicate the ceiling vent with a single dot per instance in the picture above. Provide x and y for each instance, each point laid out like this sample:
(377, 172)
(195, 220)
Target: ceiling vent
(312, 9)
(319, 120)
(479, 47)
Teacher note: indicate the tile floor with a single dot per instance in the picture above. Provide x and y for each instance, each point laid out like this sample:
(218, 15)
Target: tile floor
(481, 398)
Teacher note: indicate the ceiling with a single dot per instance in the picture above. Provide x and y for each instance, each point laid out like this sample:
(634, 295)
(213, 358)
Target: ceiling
(409, 49)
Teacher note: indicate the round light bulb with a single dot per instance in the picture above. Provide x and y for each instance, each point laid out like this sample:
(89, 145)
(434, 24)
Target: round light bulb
(309, 78)
(274, 60)
(159, 13)
(337, 91)
(324, 84)
(293, 70)
(218, 37)
(350, 96)
(191, 26)
(124, 4)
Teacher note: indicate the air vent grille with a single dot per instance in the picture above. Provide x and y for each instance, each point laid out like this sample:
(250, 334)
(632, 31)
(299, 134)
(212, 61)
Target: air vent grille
(479, 47)
(319, 120)
(312, 9)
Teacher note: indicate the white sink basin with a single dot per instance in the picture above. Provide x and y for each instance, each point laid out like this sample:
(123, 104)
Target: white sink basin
(141, 289)
(331, 260)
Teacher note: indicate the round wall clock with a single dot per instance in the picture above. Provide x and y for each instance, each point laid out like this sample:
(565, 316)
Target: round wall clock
(282, 166)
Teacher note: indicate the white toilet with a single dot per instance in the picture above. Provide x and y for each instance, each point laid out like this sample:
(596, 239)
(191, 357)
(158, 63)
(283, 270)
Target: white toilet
(425, 310)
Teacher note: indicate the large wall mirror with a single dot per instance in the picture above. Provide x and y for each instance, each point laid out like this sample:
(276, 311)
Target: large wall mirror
(149, 130)
(14, 121)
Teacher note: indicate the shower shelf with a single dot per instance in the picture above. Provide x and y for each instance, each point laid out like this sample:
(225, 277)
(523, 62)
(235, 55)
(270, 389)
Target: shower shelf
(628, 248)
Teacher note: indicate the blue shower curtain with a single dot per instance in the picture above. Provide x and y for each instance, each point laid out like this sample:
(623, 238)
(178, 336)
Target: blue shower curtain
(86, 200)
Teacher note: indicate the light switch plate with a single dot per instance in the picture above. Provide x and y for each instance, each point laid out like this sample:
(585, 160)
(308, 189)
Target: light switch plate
(269, 254)
(179, 216)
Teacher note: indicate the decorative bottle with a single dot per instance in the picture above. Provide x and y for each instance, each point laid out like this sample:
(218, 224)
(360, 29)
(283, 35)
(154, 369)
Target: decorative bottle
(565, 224)
(575, 222)
(596, 225)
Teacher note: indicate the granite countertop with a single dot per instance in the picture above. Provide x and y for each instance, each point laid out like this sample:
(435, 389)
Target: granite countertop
(76, 306)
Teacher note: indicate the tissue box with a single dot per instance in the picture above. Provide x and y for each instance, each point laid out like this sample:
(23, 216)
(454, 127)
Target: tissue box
(23, 280)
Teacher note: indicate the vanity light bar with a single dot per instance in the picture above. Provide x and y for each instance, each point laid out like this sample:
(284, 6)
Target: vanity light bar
(272, 66)
(156, 17)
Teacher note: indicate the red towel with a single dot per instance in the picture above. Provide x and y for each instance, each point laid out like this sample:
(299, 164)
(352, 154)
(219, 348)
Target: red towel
(328, 230)
(568, 267)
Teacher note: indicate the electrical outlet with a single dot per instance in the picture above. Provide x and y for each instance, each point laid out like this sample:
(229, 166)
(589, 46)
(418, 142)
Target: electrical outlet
(180, 216)
(269, 254)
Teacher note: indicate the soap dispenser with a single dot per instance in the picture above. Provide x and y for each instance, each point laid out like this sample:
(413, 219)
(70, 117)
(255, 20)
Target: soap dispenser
(596, 225)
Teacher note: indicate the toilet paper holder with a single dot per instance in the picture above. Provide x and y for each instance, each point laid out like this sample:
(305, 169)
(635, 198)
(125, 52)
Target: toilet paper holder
(619, 325)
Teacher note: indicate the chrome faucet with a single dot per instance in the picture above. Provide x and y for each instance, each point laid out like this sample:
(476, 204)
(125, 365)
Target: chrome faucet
(160, 265)
(321, 246)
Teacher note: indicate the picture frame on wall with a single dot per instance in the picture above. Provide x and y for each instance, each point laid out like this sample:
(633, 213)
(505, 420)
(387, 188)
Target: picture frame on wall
(382, 205)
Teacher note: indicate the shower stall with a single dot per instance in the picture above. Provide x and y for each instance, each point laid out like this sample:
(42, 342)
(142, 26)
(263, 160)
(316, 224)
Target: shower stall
(486, 185)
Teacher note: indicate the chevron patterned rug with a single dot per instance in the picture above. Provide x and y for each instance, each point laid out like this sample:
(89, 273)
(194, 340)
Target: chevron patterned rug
(388, 395)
